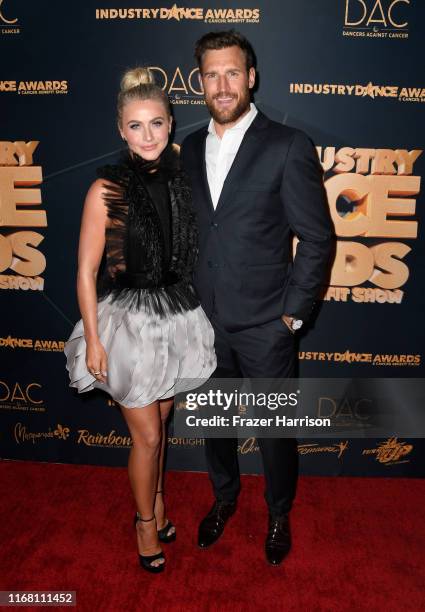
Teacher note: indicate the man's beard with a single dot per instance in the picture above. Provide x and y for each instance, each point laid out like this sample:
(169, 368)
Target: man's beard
(228, 115)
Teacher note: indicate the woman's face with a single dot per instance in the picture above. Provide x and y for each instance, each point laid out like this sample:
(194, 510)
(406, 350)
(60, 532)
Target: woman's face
(146, 127)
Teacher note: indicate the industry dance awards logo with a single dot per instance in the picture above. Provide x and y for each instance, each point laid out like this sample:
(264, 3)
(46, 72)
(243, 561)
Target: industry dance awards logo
(49, 346)
(177, 13)
(181, 85)
(372, 198)
(8, 24)
(348, 357)
(376, 19)
(368, 91)
(21, 262)
(34, 88)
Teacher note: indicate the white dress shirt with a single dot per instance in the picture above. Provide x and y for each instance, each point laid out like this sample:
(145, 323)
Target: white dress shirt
(221, 152)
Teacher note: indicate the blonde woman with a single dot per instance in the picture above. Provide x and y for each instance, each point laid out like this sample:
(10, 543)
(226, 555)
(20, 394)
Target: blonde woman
(142, 326)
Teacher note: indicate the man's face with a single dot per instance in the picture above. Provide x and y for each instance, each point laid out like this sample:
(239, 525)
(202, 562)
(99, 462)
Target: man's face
(226, 83)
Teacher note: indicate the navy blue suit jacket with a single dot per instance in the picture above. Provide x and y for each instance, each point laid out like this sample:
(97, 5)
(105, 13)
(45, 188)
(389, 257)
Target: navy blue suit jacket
(273, 190)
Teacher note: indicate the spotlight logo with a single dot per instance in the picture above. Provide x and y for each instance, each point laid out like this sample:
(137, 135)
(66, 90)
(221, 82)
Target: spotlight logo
(390, 452)
(20, 199)
(376, 19)
(372, 198)
(368, 91)
(182, 85)
(207, 15)
(8, 24)
(185, 442)
(34, 88)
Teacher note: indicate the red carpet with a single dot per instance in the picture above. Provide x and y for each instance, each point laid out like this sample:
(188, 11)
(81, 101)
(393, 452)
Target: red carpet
(359, 544)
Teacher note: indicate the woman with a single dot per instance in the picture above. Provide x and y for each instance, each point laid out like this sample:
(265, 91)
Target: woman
(142, 326)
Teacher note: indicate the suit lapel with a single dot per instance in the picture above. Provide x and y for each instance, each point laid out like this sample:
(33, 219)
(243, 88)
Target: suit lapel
(244, 159)
(204, 173)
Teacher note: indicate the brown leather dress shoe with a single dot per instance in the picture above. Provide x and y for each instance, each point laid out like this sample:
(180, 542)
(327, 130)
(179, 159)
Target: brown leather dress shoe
(212, 526)
(278, 540)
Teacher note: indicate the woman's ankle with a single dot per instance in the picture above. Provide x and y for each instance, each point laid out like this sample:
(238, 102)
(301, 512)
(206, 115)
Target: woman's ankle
(147, 536)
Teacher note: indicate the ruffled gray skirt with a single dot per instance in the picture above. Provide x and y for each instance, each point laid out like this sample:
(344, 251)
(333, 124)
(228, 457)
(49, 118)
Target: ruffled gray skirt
(147, 355)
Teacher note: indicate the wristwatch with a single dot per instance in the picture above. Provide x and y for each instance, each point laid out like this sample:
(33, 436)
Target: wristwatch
(296, 324)
(293, 323)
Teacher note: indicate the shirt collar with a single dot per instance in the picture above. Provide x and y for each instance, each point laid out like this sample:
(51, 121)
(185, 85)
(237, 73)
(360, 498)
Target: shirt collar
(243, 124)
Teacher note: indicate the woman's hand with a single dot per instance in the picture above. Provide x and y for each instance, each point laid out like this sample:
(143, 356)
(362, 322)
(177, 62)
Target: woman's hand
(97, 360)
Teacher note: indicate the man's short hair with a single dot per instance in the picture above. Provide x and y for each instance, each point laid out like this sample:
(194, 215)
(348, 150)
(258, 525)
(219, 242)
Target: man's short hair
(222, 40)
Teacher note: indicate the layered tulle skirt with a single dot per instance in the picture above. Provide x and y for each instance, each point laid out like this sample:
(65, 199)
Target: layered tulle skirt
(148, 356)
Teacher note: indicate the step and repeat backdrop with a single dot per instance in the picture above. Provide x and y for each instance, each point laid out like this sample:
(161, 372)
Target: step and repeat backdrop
(348, 72)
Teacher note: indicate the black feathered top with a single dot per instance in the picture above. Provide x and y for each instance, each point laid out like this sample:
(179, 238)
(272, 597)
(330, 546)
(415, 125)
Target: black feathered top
(151, 244)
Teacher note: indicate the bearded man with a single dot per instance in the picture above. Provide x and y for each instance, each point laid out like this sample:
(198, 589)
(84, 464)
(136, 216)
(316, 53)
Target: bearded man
(255, 184)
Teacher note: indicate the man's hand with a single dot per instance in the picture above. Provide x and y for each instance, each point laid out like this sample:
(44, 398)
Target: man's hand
(288, 320)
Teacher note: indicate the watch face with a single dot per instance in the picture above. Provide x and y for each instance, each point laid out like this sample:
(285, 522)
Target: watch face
(296, 324)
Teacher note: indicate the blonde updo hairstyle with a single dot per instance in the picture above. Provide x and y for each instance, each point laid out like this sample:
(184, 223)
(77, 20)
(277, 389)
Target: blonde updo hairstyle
(139, 84)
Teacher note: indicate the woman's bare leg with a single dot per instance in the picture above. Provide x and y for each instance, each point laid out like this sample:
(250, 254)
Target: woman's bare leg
(165, 407)
(145, 428)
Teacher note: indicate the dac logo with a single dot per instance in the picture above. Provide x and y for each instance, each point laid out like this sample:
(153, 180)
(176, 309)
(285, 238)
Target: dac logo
(376, 18)
(3, 18)
(345, 411)
(27, 395)
(183, 87)
(6, 22)
(24, 398)
(18, 252)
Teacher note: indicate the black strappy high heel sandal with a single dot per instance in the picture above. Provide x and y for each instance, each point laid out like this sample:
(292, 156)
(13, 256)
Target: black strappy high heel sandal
(163, 534)
(146, 560)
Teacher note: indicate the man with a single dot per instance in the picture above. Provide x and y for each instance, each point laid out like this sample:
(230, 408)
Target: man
(255, 182)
